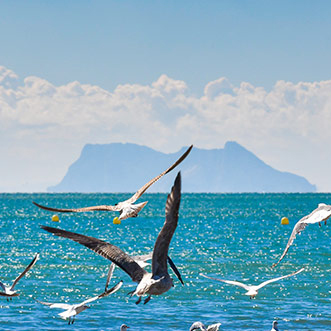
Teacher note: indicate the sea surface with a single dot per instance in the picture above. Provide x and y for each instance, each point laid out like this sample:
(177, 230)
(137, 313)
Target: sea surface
(229, 236)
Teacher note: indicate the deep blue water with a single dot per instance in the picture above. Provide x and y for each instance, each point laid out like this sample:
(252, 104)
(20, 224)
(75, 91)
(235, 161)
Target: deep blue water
(230, 236)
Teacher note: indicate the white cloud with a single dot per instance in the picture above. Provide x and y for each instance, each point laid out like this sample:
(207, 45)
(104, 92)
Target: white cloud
(43, 127)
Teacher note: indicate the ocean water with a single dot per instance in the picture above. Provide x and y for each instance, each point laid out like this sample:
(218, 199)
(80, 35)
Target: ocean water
(230, 236)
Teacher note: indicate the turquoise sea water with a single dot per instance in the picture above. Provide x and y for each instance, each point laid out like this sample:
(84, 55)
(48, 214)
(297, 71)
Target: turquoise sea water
(230, 236)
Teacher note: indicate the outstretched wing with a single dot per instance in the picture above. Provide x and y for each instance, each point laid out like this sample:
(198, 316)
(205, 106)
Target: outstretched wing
(161, 247)
(110, 274)
(54, 305)
(231, 282)
(278, 278)
(78, 210)
(32, 263)
(142, 190)
(214, 327)
(299, 227)
(320, 214)
(106, 250)
(102, 295)
(2, 286)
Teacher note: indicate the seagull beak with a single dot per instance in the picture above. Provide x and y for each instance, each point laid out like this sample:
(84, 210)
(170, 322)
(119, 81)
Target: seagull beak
(116, 220)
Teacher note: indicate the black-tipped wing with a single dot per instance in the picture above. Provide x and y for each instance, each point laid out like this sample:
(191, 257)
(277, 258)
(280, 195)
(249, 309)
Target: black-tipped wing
(106, 250)
(142, 190)
(175, 270)
(78, 210)
(32, 263)
(161, 247)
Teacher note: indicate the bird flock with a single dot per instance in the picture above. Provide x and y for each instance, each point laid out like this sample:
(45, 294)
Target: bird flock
(158, 281)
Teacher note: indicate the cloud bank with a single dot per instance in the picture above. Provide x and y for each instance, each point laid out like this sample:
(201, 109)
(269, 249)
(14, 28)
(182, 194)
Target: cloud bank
(43, 127)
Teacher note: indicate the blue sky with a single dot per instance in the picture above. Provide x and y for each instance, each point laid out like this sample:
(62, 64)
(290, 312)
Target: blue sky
(115, 42)
(164, 74)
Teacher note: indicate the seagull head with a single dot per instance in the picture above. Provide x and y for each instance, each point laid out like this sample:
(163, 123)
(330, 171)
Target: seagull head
(252, 293)
(124, 327)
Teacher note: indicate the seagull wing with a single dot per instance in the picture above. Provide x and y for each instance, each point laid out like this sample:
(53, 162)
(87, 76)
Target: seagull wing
(64, 306)
(110, 274)
(321, 213)
(102, 295)
(278, 278)
(77, 210)
(231, 282)
(32, 263)
(2, 286)
(142, 190)
(299, 227)
(214, 327)
(161, 247)
(175, 270)
(106, 250)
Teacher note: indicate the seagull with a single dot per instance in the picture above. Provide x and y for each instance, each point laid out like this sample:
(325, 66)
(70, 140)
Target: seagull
(70, 311)
(126, 208)
(124, 327)
(142, 261)
(320, 214)
(9, 290)
(252, 290)
(274, 326)
(156, 282)
(200, 326)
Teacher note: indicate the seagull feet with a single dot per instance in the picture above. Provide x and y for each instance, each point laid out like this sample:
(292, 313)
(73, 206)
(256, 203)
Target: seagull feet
(147, 299)
(319, 223)
(138, 301)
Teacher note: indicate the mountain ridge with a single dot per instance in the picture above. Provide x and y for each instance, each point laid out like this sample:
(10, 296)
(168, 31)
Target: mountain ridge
(125, 167)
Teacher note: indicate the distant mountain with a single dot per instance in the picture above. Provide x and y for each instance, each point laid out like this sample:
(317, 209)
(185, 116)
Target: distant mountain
(126, 167)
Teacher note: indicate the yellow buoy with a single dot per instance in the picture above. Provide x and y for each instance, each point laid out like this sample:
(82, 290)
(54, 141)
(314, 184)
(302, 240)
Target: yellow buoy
(285, 221)
(116, 220)
(55, 218)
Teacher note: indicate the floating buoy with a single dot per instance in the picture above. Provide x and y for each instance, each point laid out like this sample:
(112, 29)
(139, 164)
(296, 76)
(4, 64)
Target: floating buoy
(116, 220)
(285, 221)
(55, 218)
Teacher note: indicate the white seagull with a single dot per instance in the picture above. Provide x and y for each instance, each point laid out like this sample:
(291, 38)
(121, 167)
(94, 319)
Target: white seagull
(70, 311)
(156, 282)
(274, 326)
(126, 208)
(124, 327)
(8, 291)
(252, 290)
(320, 214)
(200, 326)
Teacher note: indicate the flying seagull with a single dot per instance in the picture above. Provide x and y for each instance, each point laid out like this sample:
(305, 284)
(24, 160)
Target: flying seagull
(124, 327)
(200, 326)
(8, 291)
(252, 290)
(142, 261)
(156, 282)
(126, 208)
(320, 214)
(274, 326)
(70, 311)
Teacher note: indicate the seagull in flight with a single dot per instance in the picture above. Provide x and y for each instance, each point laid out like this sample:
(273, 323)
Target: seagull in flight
(200, 326)
(8, 291)
(126, 208)
(320, 214)
(156, 282)
(252, 290)
(70, 311)
(142, 261)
